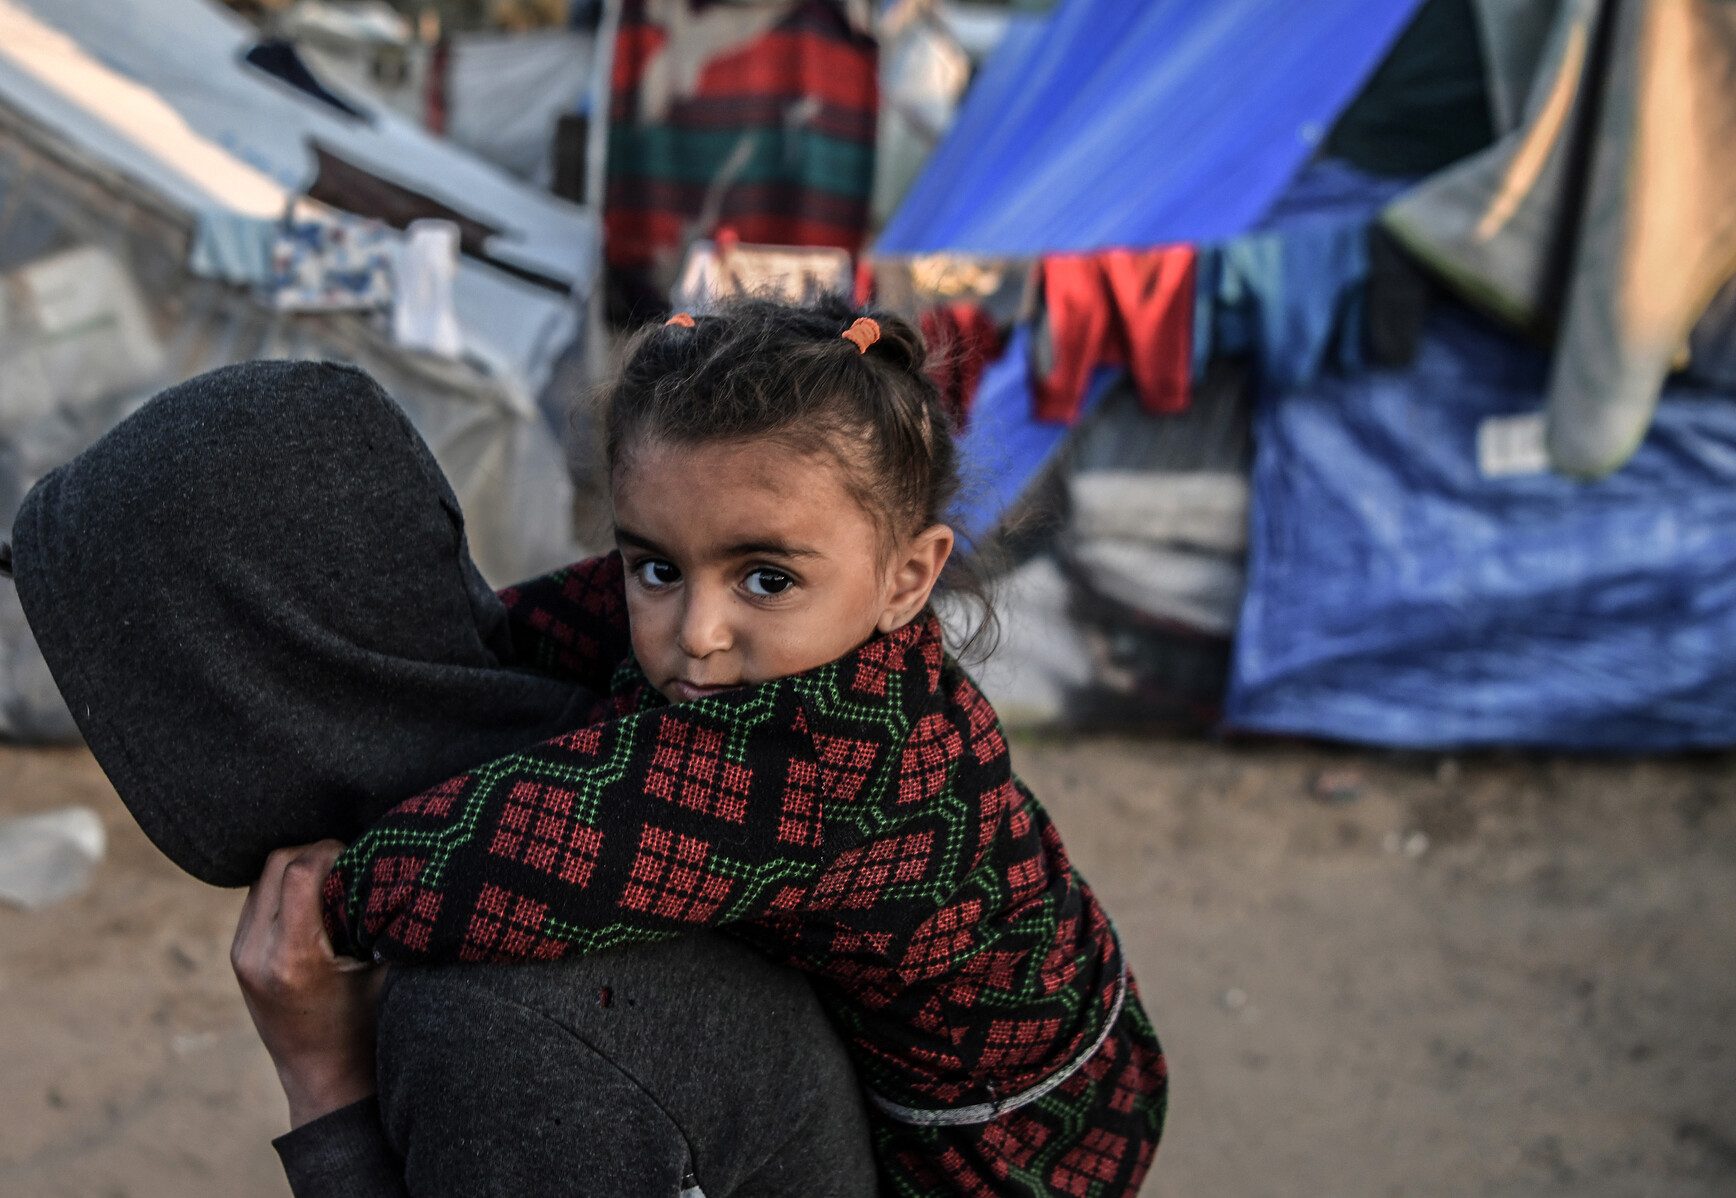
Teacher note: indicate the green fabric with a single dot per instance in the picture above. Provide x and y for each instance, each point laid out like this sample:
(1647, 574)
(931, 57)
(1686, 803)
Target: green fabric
(800, 158)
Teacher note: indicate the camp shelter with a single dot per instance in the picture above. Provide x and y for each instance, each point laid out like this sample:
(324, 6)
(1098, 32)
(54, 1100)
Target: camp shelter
(517, 99)
(148, 174)
(1364, 522)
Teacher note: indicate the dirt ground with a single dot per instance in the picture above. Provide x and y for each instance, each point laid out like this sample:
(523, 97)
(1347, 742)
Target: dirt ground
(1375, 975)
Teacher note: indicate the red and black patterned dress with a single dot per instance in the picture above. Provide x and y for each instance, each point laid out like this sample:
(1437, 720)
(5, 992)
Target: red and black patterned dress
(859, 822)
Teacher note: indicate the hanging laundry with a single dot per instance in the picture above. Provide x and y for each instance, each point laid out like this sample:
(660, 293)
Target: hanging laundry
(1292, 298)
(329, 261)
(1606, 215)
(1153, 294)
(423, 316)
(1712, 344)
(761, 117)
(863, 290)
(1400, 294)
(232, 247)
(962, 340)
(1075, 332)
(1119, 307)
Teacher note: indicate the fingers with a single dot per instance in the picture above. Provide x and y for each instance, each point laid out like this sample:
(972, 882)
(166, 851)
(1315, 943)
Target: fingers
(270, 882)
(244, 926)
(253, 929)
(280, 921)
(299, 918)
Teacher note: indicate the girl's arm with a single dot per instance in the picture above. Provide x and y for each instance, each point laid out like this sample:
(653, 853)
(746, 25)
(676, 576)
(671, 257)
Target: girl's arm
(771, 801)
(572, 622)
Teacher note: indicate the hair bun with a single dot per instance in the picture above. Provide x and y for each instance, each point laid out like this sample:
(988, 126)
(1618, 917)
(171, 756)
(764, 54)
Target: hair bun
(898, 344)
(863, 332)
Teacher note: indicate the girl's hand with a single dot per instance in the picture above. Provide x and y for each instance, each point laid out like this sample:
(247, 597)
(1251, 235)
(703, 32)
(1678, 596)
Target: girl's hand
(313, 1009)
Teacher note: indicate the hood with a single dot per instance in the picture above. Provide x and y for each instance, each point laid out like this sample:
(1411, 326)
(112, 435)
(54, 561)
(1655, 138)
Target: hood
(256, 597)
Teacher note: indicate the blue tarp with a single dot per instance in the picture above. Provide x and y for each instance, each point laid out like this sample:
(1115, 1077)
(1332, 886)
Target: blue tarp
(1142, 122)
(1004, 447)
(1397, 596)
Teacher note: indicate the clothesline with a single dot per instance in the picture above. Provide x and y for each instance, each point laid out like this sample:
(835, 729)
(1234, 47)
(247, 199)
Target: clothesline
(1289, 296)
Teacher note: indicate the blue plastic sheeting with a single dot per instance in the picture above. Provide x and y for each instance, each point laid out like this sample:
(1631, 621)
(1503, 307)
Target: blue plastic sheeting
(1004, 447)
(1330, 189)
(1141, 122)
(1398, 597)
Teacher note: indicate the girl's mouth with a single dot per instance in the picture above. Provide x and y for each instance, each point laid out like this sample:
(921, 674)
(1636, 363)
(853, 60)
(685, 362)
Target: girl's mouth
(683, 691)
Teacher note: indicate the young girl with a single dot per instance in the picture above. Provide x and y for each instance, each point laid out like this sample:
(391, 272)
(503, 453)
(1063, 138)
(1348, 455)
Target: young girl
(788, 752)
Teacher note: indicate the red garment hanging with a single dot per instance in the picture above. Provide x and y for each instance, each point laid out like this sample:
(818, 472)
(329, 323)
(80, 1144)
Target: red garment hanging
(1076, 303)
(1131, 308)
(962, 340)
(1152, 293)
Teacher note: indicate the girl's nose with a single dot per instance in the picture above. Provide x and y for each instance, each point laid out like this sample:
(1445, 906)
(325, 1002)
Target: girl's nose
(704, 624)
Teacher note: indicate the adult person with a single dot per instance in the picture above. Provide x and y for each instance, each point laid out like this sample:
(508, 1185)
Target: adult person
(256, 597)
(696, 1067)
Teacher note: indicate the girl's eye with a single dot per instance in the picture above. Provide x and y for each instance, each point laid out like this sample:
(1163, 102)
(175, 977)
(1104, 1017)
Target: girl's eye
(654, 573)
(766, 583)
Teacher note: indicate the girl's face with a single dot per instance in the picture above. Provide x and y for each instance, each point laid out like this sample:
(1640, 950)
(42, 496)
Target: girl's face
(748, 561)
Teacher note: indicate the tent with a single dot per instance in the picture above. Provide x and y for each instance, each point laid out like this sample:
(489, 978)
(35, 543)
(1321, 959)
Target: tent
(1321, 571)
(505, 97)
(151, 176)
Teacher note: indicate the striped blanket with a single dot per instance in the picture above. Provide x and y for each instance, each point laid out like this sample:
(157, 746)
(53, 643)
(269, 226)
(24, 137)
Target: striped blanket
(758, 118)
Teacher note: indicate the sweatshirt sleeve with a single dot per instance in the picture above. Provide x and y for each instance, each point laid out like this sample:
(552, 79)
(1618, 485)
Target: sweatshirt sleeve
(572, 622)
(634, 829)
(342, 1155)
(853, 794)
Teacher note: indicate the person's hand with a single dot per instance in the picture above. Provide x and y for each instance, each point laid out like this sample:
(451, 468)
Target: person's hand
(313, 1009)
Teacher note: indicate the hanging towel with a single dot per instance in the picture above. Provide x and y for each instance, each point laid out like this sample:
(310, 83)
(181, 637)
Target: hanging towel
(1078, 322)
(1152, 293)
(1121, 308)
(423, 315)
(1288, 297)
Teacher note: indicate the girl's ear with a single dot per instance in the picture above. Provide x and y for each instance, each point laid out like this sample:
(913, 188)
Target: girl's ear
(912, 577)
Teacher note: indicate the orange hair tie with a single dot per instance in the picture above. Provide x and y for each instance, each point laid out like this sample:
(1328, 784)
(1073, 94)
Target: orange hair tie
(682, 319)
(863, 332)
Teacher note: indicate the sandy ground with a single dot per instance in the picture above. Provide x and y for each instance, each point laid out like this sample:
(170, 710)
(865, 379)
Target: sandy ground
(1480, 976)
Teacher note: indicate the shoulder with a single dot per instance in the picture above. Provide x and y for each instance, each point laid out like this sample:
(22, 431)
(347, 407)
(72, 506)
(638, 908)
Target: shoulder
(974, 715)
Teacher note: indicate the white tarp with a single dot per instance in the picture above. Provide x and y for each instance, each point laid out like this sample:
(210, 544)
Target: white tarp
(505, 92)
(189, 52)
(158, 90)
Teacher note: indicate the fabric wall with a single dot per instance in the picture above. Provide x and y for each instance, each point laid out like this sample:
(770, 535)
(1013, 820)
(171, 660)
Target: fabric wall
(504, 93)
(756, 117)
(1397, 595)
(1607, 218)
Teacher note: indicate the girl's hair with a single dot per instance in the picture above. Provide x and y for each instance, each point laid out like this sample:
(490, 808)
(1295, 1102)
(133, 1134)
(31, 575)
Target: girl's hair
(755, 368)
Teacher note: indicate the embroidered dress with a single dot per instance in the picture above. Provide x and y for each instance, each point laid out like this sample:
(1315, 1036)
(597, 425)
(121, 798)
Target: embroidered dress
(859, 822)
